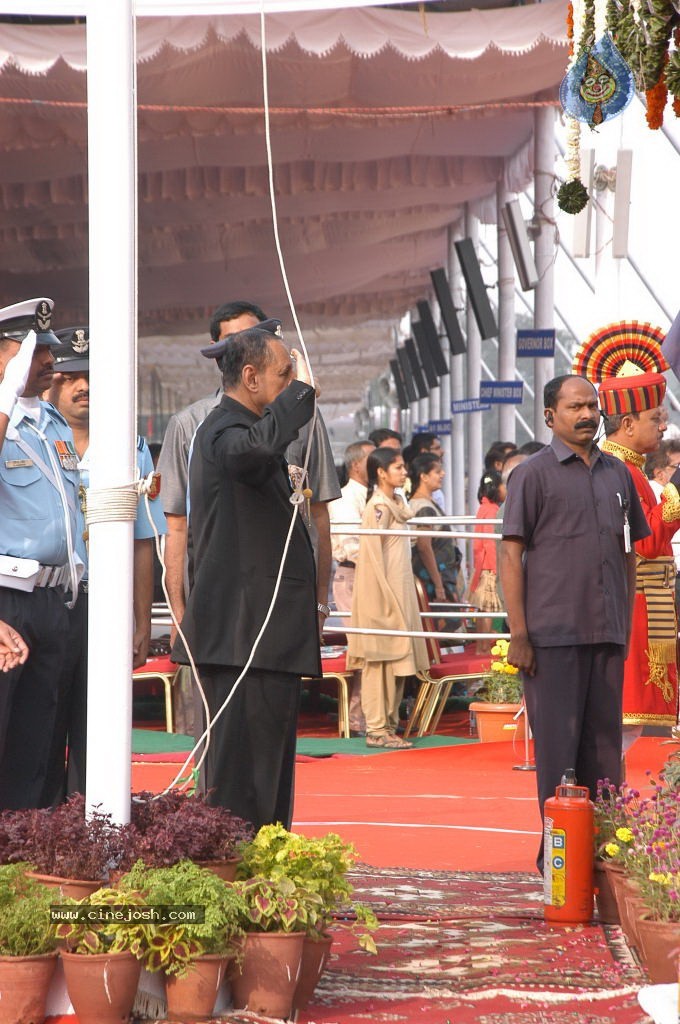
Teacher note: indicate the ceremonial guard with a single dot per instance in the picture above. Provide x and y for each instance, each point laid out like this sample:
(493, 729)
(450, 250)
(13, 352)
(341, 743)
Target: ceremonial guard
(70, 394)
(39, 565)
(627, 362)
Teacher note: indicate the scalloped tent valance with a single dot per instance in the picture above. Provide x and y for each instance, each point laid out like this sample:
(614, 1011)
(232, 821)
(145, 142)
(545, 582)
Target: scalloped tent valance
(365, 32)
(384, 125)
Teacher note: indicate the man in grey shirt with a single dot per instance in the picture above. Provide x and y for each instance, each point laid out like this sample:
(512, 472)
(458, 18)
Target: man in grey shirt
(567, 563)
(173, 462)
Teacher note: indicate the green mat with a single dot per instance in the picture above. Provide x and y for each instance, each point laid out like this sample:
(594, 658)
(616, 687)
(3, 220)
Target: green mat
(153, 741)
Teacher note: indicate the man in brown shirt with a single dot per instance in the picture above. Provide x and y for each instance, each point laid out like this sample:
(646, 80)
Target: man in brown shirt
(567, 566)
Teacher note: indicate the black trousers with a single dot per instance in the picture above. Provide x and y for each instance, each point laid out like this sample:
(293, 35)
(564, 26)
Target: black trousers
(574, 703)
(250, 767)
(29, 695)
(70, 728)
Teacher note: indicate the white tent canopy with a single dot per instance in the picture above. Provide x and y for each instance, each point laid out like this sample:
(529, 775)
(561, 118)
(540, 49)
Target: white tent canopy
(384, 124)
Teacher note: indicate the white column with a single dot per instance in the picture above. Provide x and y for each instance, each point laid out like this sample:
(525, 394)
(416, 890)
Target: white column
(112, 170)
(544, 252)
(506, 316)
(475, 455)
(456, 393)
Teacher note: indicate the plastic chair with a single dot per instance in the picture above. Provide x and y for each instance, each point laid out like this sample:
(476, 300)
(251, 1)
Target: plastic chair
(445, 670)
(164, 669)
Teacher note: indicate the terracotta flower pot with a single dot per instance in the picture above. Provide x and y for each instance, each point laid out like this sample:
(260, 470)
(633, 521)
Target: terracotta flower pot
(607, 910)
(265, 981)
(24, 982)
(626, 892)
(660, 948)
(76, 888)
(193, 995)
(101, 987)
(315, 953)
(225, 869)
(497, 723)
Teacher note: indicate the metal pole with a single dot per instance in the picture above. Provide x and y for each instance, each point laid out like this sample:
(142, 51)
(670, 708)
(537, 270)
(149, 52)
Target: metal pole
(506, 316)
(457, 392)
(112, 174)
(544, 252)
(475, 455)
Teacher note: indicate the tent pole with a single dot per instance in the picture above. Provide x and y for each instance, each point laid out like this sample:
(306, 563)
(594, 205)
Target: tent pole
(506, 316)
(544, 252)
(475, 455)
(113, 331)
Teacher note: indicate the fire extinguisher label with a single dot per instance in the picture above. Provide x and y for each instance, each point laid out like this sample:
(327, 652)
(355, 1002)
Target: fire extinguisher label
(555, 866)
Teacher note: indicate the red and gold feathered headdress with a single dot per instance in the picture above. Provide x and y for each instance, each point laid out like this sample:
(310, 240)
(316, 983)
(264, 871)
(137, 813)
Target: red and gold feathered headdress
(625, 359)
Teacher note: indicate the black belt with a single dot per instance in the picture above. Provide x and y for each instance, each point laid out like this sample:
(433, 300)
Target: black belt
(347, 565)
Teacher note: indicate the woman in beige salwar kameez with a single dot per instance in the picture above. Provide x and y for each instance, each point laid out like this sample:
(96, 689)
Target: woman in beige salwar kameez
(385, 598)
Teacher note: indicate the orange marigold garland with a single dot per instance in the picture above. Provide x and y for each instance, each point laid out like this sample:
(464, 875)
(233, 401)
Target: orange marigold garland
(656, 101)
(570, 27)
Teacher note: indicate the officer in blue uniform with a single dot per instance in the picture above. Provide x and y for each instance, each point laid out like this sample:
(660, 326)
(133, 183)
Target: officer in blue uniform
(70, 394)
(39, 565)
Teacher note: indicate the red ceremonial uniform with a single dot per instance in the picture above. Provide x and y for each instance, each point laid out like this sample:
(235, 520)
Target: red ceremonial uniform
(650, 687)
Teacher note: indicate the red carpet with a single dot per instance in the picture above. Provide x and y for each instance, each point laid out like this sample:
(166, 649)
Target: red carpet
(459, 808)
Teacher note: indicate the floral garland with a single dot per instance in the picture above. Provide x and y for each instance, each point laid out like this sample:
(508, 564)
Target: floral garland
(642, 31)
(572, 195)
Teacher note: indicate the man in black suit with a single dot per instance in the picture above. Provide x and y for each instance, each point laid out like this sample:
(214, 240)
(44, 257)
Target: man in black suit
(239, 522)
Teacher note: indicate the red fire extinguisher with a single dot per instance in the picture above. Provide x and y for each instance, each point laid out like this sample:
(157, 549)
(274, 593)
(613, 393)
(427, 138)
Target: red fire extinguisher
(568, 853)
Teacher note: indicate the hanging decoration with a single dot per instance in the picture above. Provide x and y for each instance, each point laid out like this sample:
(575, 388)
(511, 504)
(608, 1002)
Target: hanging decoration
(642, 31)
(572, 195)
(599, 86)
(620, 349)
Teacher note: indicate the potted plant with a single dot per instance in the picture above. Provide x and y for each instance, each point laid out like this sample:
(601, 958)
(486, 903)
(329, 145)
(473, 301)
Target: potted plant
(498, 701)
(103, 941)
(173, 827)
(192, 954)
(319, 865)
(65, 847)
(27, 946)
(278, 914)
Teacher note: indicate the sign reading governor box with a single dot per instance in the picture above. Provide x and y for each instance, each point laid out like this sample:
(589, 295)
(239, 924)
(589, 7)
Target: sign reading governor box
(536, 342)
(501, 391)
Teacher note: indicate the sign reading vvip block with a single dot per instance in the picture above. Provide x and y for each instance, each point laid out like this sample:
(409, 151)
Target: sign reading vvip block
(536, 342)
(501, 391)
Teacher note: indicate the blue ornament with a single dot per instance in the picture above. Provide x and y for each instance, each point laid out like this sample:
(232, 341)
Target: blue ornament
(599, 86)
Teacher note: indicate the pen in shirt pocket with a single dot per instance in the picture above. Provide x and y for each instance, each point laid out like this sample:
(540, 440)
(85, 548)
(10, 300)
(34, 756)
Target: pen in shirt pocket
(624, 503)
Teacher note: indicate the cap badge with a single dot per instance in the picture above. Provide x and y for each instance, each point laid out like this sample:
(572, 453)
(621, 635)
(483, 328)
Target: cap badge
(43, 317)
(79, 343)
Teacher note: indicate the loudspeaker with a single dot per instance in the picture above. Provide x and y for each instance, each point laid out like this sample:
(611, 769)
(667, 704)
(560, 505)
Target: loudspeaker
(399, 384)
(429, 330)
(520, 245)
(406, 375)
(449, 316)
(624, 169)
(418, 380)
(476, 289)
(425, 355)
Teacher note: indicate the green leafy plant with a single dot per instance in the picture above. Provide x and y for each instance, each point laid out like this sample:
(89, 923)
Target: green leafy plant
(278, 905)
(317, 865)
(96, 931)
(171, 948)
(502, 684)
(25, 927)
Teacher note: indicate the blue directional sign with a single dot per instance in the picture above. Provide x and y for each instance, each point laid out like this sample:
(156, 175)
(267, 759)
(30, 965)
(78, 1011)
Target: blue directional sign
(498, 392)
(440, 427)
(536, 342)
(464, 405)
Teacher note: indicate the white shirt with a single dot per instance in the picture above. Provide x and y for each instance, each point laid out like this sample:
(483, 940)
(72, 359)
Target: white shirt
(348, 508)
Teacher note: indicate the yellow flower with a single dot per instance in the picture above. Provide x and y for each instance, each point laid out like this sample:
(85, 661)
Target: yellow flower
(496, 650)
(611, 849)
(512, 670)
(496, 666)
(624, 834)
(503, 647)
(662, 879)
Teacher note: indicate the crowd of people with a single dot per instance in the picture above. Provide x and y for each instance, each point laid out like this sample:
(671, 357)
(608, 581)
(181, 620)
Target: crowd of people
(587, 570)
